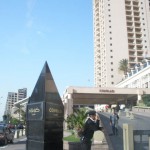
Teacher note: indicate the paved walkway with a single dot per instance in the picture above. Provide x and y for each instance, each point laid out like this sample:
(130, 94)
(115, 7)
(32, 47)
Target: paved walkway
(141, 121)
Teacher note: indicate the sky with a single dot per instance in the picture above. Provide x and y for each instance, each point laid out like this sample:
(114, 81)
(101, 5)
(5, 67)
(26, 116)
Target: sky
(35, 31)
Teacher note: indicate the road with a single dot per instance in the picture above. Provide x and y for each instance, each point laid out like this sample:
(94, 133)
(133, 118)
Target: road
(19, 144)
(139, 122)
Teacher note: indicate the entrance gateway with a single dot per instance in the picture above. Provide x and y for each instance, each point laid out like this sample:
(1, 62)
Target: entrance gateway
(95, 95)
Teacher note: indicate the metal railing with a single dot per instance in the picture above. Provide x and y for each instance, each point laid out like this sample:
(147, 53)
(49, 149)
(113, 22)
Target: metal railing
(141, 139)
(135, 139)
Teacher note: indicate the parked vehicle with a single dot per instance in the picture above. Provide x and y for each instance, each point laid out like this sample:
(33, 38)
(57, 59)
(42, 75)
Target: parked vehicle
(20, 126)
(3, 124)
(11, 126)
(6, 135)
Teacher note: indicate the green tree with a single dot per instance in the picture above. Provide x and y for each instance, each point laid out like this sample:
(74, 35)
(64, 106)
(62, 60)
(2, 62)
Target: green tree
(123, 66)
(4, 118)
(14, 121)
(7, 118)
(146, 100)
(76, 120)
(22, 114)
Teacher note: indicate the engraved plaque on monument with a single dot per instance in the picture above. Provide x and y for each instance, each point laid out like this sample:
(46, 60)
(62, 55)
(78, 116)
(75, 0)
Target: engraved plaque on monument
(45, 115)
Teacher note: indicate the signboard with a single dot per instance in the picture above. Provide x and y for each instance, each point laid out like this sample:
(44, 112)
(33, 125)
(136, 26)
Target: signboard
(54, 110)
(35, 111)
(106, 91)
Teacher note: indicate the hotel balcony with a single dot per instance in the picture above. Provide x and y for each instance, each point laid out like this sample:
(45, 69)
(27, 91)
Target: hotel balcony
(132, 53)
(137, 24)
(136, 13)
(139, 53)
(139, 47)
(98, 45)
(131, 41)
(135, 3)
(131, 47)
(97, 24)
(129, 18)
(97, 8)
(128, 13)
(132, 57)
(97, 19)
(131, 65)
(130, 35)
(98, 34)
(97, 14)
(128, 8)
(98, 62)
(138, 30)
(132, 61)
(138, 35)
(128, 2)
(135, 8)
(130, 29)
(97, 29)
(137, 19)
(140, 59)
(97, 4)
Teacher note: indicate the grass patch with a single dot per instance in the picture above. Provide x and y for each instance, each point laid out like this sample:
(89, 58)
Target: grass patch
(71, 138)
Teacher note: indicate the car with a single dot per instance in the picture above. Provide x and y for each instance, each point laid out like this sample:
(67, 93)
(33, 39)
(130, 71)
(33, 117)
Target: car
(20, 126)
(6, 135)
(3, 124)
(11, 126)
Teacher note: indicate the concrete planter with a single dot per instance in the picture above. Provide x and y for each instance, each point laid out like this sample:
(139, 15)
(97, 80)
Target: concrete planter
(77, 146)
(71, 145)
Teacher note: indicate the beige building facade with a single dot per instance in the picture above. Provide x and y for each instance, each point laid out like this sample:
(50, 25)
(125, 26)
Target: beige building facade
(95, 95)
(121, 31)
(137, 78)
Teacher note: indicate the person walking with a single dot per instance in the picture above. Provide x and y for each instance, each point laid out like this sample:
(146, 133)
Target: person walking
(114, 122)
(92, 124)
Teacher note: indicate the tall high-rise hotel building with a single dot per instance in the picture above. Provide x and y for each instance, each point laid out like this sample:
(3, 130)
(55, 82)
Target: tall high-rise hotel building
(14, 97)
(121, 31)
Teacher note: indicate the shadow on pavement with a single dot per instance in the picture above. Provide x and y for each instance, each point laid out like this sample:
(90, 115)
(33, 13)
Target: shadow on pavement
(116, 141)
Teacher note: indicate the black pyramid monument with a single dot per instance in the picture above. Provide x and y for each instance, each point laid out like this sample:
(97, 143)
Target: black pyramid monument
(45, 115)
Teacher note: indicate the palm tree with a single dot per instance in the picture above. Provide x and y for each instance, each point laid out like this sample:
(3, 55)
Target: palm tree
(123, 66)
(76, 120)
(22, 114)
